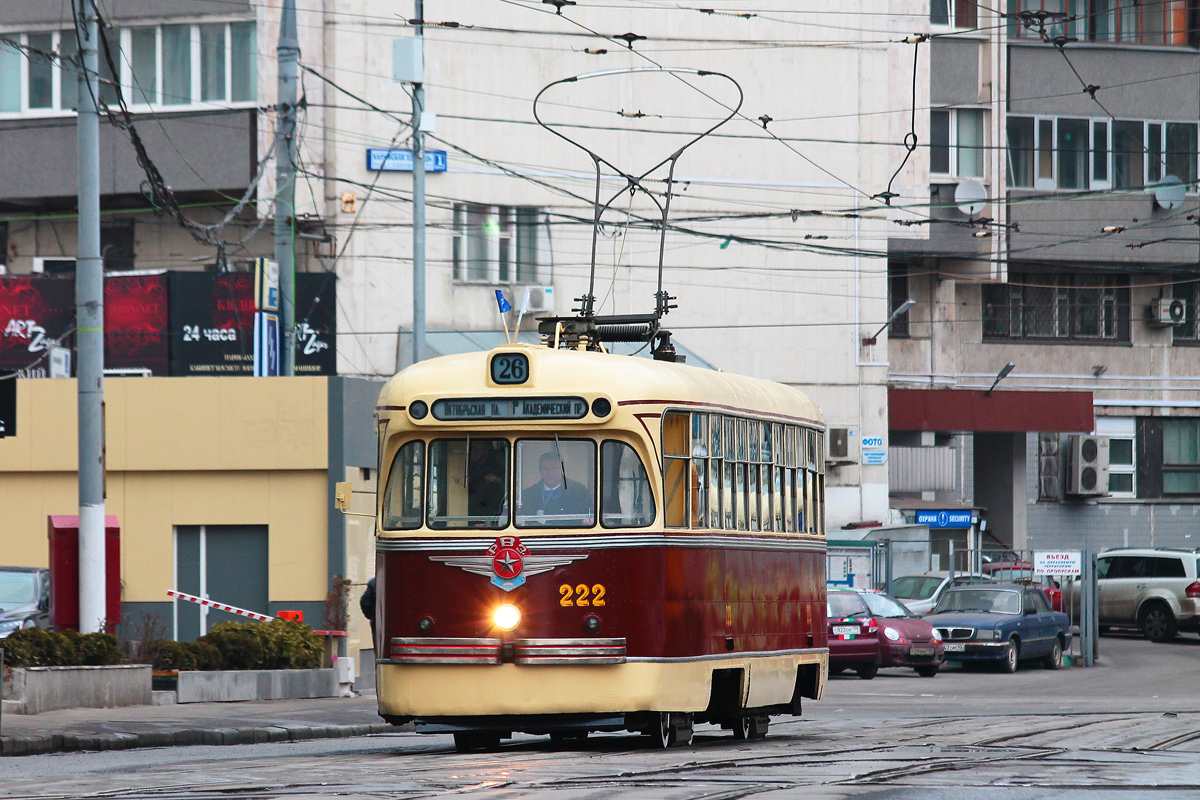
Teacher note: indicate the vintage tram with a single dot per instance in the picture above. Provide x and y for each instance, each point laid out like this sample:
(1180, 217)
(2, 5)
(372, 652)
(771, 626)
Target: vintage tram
(572, 541)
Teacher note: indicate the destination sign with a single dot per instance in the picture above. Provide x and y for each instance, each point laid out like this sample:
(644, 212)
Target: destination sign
(477, 408)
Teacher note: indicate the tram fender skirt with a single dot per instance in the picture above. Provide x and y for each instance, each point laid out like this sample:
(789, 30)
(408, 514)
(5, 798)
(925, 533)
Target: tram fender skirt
(808, 684)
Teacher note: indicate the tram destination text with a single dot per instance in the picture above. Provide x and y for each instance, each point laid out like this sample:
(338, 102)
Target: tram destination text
(479, 408)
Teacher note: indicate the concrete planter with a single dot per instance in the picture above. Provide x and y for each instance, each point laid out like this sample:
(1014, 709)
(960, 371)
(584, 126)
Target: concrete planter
(32, 690)
(263, 684)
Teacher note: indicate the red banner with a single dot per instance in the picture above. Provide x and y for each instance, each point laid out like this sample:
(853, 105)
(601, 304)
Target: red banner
(136, 329)
(34, 314)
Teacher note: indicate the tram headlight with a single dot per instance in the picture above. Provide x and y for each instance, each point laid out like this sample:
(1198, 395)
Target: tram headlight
(507, 617)
(418, 409)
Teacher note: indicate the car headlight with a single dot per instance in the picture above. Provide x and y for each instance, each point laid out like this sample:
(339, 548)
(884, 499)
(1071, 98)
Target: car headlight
(891, 633)
(937, 635)
(987, 635)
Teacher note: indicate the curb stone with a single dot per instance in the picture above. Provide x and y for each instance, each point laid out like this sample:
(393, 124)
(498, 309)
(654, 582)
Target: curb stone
(70, 742)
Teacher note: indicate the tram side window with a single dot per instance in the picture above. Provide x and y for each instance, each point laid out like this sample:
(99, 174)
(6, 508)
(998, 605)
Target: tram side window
(558, 483)
(625, 497)
(468, 484)
(402, 498)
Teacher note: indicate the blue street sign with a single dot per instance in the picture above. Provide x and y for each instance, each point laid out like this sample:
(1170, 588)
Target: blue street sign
(380, 159)
(266, 345)
(945, 519)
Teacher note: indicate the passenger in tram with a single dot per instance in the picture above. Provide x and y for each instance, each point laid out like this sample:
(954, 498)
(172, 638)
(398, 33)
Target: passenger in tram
(555, 499)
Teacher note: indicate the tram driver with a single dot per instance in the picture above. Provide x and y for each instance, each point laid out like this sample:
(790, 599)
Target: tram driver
(555, 500)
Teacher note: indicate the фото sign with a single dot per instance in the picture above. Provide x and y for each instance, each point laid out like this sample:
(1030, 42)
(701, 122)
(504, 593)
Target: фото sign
(956, 518)
(1069, 563)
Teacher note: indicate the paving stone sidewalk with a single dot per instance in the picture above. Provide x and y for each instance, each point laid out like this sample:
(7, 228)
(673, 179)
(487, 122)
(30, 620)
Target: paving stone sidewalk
(190, 724)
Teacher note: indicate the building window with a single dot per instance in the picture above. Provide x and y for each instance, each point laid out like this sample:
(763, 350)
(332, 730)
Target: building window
(1080, 154)
(167, 65)
(966, 13)
(898, 293)
(500, 244)
(957, 142)
(1072, 307)
(1181, 456)
(1122, 455)
(1189, 331)
(1164, 22)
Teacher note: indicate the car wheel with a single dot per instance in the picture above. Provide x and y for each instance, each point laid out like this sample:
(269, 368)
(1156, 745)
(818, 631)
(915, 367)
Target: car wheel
(867, 671)
(1053, 659)
(1157, 623)
(927, 672)
(1011, 657)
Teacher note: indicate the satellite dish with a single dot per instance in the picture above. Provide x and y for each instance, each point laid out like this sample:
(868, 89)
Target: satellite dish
(1169, 192)
(971, 197)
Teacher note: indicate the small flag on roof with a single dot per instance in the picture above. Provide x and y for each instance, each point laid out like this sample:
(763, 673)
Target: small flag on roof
(505, 307)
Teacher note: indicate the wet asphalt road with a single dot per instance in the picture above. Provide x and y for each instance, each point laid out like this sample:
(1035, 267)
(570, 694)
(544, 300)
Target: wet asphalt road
(1129, 728)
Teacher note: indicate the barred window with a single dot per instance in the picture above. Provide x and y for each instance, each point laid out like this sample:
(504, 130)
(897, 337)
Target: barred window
(1069, 307)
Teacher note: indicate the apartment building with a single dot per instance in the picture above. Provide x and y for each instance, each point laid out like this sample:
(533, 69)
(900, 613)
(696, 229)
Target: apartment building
(1071, 278)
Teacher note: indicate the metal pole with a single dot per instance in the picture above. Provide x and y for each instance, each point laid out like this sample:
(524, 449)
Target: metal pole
(418, 148)
(287, 55)
(89, 333)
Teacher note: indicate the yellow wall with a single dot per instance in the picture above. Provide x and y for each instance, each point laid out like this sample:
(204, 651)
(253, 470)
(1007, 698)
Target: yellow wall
(181, 451)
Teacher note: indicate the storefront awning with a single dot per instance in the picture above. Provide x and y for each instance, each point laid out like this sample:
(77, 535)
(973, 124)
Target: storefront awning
(999, 412)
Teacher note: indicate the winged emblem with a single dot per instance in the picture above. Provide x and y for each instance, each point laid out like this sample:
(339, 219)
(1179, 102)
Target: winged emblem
(507, 563)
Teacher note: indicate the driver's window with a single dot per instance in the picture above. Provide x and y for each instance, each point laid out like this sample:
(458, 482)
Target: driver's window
(1103, 566)
(1029, 606)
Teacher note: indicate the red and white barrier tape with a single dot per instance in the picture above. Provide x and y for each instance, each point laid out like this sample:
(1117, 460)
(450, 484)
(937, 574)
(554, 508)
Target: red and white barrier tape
(219, 606)
(191, 598)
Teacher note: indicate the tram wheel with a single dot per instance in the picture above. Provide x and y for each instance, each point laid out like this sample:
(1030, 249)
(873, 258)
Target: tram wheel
(476, 741)
(673, 729)
(741, 728)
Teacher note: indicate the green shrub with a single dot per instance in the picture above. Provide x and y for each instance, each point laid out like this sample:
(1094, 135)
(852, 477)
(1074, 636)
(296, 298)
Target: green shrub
(288, 645)
(38, 647)
(239, 647)
(207, 657)
(174, 655)
(278, 644)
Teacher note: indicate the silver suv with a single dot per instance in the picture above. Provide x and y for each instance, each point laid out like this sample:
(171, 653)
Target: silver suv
(1155, 589)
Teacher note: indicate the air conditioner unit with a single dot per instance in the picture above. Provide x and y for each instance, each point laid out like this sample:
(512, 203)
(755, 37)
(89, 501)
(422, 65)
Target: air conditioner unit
(1166, 311)
(541, 299)
(842, 444)
(53, 266)
(1088, 466)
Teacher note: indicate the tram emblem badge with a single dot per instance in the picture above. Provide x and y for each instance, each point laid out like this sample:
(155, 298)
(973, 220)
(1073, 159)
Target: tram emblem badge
(508, 563)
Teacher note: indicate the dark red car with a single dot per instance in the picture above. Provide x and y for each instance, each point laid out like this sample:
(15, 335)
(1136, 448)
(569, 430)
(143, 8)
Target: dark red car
(905, 640)
(853, 634)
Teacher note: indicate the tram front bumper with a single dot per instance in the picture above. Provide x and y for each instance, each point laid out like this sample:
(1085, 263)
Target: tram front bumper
(441, 690)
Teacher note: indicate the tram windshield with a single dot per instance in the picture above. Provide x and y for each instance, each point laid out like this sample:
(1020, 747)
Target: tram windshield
(488, 483)
(468, 483)
(558, 483)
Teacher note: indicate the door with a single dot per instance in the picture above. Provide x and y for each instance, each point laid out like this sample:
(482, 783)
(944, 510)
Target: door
(223, 563)
(1121, 587)
(1042, 622)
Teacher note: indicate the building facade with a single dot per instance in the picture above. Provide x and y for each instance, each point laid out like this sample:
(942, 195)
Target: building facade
(1079, 267)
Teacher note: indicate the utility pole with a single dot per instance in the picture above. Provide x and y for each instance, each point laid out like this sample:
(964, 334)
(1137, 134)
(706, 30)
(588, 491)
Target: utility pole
(89, 332)
(287, 55)
(418, 151)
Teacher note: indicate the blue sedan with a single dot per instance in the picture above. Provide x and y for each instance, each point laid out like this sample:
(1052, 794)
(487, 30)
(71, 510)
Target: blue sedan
(1003, 623)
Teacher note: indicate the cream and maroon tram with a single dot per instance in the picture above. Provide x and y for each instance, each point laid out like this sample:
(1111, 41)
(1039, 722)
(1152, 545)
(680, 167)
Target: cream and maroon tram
(573, 541)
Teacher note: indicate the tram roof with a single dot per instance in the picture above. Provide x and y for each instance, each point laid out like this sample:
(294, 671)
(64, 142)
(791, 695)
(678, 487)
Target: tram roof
(625, 379)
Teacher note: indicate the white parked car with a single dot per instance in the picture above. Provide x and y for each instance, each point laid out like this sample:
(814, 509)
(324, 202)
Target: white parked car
(920, 593)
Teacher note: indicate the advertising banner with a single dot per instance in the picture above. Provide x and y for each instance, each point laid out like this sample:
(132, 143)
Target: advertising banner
(35, 312)
(8, 404)
(212, 323)
(136, 323)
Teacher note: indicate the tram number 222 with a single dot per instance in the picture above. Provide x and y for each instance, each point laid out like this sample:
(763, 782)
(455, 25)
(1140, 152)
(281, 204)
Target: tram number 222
(581, 595)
